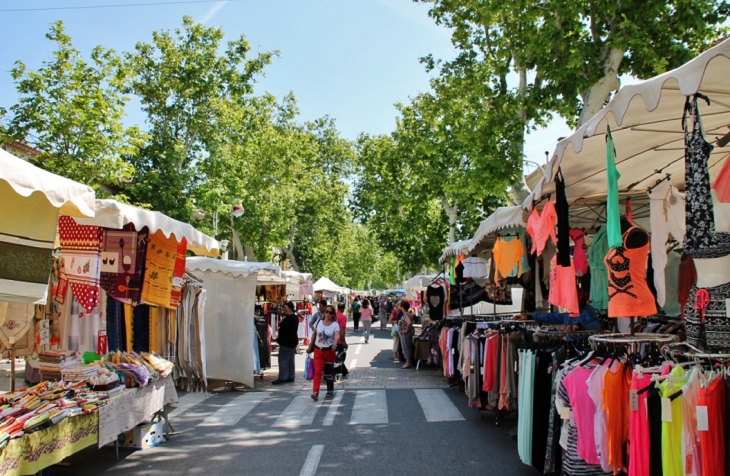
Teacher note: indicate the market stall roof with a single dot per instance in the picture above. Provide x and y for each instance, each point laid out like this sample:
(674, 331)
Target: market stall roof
(295, 277)
(419, 281)
(503, 217)
(113, 214)
(326, 284)
(71, 198)
(646, 124)
(230, 267)
(454, 249)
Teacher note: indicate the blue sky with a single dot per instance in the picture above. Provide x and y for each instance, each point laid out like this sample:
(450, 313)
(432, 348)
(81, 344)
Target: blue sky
(351, 60)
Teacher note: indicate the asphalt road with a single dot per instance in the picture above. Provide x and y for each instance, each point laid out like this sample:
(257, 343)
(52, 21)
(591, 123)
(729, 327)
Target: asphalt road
(424, 430)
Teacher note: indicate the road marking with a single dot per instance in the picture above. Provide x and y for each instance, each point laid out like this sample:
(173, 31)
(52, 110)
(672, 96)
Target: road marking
(301, 411)
(370, 407)
(188, 401)
(312, 461)
(232, 412)
(358, 349)
(334, 406)
(437, 406)
(353, 364)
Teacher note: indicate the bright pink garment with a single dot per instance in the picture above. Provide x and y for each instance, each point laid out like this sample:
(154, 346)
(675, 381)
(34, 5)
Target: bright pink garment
(542, 227)
(490, 362)
(580, 257)
(639, 430)
(722, 183)
(563, 289)
(584, 411)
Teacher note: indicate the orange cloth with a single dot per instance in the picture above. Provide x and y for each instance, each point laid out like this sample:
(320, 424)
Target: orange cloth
(628, 293)
(563, 287)
(506, 255)
(616, 385)
(540, 228)
(164, 270)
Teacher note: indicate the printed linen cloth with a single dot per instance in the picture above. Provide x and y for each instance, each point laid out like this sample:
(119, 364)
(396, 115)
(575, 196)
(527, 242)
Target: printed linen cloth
(164, 270)
(81, 250)
(122, 263)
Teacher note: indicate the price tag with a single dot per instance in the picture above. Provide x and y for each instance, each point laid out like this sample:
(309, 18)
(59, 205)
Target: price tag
(565, 413)
(666, 410)
(703, 422)
(634, 400)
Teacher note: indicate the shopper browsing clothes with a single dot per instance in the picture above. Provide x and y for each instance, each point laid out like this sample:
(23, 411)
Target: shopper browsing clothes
(342, 343)
(327, 334)
(405, 329)
(356, 312)
(366, 314)
(288, 339)
(395, 315)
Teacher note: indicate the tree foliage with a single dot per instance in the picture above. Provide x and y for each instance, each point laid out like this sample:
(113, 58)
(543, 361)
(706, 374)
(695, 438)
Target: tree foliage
(71, 110)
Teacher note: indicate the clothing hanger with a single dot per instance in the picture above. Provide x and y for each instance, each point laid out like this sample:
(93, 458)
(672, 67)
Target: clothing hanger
(667, 177)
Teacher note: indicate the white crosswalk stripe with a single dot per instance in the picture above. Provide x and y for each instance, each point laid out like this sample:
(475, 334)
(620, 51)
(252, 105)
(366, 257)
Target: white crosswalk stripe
(232, 412)
(188, 401)
(301, 411)
(371, 407)
(437, 406)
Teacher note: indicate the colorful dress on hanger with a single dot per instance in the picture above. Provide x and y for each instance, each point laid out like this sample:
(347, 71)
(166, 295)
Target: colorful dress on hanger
(628, 293)
(613, 215)
(507, 255)
(542, 227)
(599, 274)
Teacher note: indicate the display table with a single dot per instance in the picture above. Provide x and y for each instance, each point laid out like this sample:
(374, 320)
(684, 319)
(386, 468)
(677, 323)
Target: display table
(36, 451)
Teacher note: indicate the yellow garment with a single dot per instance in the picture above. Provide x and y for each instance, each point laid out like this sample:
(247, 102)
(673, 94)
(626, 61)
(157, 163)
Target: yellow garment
(154, 319)
(129, 325)
(164, 270)
(672, 461)
(506, 255)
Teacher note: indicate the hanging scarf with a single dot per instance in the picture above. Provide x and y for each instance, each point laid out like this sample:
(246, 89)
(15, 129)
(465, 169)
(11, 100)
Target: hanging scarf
(81, 249)
(164, 270)
(122, 263)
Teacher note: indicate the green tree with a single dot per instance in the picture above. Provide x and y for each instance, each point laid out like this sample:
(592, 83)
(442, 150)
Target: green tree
(71, 110)
(187, 88)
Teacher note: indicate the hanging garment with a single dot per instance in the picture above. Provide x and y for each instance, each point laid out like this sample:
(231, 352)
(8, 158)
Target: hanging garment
(654, 415)
(81, 249)
(563, 288)
(613, 214)
(542, 227)
(706, 322)
(667, 216)
(722, 183)
(671, 278)
(475, 267)
(720, 250)
(672, 461)
(81, 330)
(599, 275)
(699, 210)
(561, 207)
(629, 295)
(506, 255)
(687, 278)
(691, 454)
(639, 427)
(583, 412)
(713, 440)
(580, 258)
(306, 288)
(616, 382)
(436, 298)
(595, 391)
(122, 263)
(164, 270)
(15, 321)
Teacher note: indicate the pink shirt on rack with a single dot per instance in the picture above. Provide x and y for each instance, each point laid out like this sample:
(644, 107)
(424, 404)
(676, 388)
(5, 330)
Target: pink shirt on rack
(584, 411)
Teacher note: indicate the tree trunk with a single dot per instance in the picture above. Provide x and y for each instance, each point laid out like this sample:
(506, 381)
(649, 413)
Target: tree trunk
(290, 250)
(596, 96)
(452, 212)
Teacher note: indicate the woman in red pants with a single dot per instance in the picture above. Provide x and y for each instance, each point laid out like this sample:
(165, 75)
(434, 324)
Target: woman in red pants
(324, 345)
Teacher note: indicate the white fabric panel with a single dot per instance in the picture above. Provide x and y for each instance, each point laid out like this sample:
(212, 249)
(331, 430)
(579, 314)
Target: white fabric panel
(229, 326)
(230, 267)
(326, 284)
(454, 249)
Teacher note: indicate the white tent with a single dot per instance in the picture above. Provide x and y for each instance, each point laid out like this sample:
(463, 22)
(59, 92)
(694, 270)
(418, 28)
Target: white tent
(229, 312)
(113, 214)
(454, 249)
(32, 200)
(645, 122)
(417, 283)
(294, 282)
(326, 284)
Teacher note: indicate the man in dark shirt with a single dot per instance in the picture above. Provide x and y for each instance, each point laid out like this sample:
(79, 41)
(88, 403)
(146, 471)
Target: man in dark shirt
(288, 340)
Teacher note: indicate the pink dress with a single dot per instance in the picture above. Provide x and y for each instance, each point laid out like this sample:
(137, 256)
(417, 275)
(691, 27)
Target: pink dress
(584, 411)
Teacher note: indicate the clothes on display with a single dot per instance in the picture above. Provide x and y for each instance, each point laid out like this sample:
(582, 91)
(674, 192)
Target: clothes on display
(613, 214)
(475, 267)
(563, 290)
(599, 274)
(580, 257)
(667, 218)
(629, 294)
(507, 255)
(122, 263)
(164, 270)
(436, 294)
(706, 311)
(721, 185)
(81, 248)
(542, 227)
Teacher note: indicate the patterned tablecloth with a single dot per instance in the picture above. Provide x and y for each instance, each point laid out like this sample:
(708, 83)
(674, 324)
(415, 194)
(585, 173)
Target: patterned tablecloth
(132, 407)
(39, 450)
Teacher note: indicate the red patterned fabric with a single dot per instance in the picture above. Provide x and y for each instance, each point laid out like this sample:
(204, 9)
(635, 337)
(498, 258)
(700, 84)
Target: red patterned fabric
(81, 250)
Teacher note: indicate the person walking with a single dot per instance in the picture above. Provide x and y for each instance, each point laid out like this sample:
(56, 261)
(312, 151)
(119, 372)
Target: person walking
(317, 315)
(356, 313)
(383, 313)
(288, 340)
(405, 329)
(342, 343)
(366, 314)
(327, 334)
(395, 315)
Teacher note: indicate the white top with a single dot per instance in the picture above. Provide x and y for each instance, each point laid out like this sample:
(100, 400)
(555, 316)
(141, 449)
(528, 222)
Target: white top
(326, 334)
(475, 267)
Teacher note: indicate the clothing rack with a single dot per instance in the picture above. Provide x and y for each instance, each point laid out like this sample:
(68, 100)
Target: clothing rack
(675, 349)
(557, 332)
(640, 338)
(192, 279)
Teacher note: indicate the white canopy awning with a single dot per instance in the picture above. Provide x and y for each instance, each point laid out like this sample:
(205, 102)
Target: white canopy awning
(113, 214)
(503, 217)
(71, 198)
(454, 249)
(295, 277)
(646, 125)
(418, 282)
(326, 284)
(229, 267)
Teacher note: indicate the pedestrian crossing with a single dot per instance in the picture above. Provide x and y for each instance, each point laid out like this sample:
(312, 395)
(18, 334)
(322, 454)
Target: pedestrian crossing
(297, 410)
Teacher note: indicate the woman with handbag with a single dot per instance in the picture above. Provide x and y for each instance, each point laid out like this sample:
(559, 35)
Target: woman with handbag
(324, 345)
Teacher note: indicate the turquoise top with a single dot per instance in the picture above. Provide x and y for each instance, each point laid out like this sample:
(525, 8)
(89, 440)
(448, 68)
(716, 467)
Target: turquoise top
(612, 212)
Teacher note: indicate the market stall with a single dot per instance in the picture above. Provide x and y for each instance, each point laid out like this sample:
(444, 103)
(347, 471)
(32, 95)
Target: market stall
(229, 315)
(328, 288)
(298, 285)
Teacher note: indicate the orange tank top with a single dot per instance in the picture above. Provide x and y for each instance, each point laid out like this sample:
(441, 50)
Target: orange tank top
(628, 293)
(507, 254)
